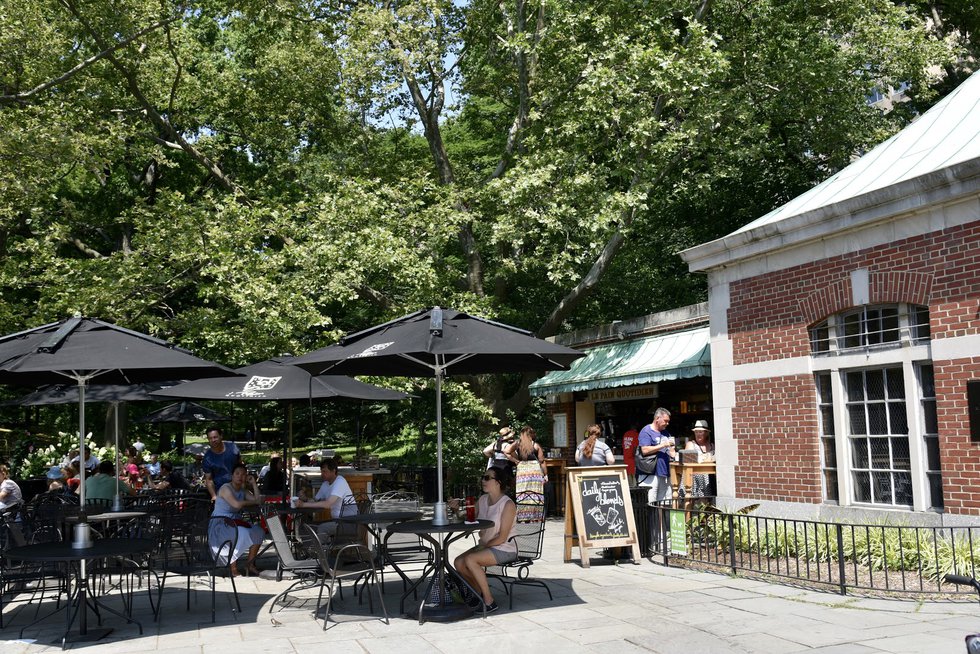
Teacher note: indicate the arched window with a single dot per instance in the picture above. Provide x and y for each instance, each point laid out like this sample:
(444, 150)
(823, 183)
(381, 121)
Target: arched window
(879, 326)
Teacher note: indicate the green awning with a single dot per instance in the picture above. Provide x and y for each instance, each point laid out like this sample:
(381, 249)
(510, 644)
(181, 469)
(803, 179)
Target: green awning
(642, 361)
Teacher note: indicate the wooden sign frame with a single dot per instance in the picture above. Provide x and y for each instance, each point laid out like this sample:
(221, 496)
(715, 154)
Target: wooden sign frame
(575, 528)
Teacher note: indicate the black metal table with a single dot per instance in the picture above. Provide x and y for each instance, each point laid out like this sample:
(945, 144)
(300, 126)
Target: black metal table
(371, 521)
(76, 558)
(440, 537)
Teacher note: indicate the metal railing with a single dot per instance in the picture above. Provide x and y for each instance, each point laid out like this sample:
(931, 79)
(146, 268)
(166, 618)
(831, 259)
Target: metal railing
(872, 558)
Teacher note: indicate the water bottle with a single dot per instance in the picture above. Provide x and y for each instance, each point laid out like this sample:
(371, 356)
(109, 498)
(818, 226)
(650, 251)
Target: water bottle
(470, 508)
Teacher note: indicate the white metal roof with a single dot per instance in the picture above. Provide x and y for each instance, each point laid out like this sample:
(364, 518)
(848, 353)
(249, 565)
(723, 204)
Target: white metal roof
(947, 134)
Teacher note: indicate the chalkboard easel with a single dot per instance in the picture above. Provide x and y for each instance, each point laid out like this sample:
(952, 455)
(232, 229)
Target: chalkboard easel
(598, 511)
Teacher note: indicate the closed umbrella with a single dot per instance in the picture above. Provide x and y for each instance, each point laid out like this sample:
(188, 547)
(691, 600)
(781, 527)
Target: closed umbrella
(435, 343)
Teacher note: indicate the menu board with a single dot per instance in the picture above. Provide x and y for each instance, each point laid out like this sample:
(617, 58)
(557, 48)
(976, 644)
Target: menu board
(599, 511)
(603, 507)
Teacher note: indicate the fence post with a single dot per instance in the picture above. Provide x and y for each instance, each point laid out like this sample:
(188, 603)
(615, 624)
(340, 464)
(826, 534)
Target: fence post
(731, 542)
(841, 571)
(664, 532)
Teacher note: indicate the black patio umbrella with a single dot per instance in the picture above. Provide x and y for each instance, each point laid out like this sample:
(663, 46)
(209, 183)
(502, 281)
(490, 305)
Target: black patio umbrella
(435, 343)
(68, 394)
(85, 349)
(114, 394)
(277, 380)
(183, 413)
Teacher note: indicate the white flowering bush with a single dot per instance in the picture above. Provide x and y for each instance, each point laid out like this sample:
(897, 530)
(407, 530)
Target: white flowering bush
(40, 458)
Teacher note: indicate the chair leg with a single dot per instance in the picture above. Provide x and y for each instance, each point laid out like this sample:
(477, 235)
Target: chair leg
(381, 599)
(234, 590)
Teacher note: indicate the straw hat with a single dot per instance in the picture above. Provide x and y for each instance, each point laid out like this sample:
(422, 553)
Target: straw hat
(701, 424)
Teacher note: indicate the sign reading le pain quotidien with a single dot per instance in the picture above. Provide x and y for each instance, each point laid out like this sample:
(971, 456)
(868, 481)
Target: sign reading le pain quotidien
(599, 511)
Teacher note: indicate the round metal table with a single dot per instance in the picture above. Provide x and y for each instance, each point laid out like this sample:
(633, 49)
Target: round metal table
(440, 537)
(75, 558)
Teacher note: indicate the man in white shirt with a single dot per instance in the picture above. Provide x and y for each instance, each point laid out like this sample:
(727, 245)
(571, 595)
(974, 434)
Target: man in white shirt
(332, 495)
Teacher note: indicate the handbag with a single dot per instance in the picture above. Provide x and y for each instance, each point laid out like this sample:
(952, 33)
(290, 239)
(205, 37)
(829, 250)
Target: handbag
(645, 464)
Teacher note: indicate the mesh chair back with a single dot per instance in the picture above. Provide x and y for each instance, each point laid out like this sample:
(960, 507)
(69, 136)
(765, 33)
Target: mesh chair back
(529, 539)
(281, 542)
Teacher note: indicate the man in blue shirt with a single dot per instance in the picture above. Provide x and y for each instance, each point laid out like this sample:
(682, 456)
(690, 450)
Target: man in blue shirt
(219, 461)
(654, 439)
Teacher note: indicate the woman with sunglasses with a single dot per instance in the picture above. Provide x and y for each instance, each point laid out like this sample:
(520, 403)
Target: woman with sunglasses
(494, 547)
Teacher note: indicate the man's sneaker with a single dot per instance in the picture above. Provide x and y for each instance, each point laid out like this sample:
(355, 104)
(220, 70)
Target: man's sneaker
(474, 602)
(491, 607)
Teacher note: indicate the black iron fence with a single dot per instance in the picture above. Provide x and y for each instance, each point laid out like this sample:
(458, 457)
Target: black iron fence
(876, 558)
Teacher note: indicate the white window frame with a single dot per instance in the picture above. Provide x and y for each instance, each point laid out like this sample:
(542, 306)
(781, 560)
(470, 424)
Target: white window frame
(908, 353)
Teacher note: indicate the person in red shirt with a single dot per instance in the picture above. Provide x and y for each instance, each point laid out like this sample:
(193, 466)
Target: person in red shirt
(630, 439)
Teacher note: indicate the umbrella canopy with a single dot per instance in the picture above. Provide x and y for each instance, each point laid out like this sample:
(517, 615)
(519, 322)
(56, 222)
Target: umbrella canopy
(275, 379)
(438, 342)
(183, 412)
(89, 349)
(85, 349)
(68, 394)
(455, 343)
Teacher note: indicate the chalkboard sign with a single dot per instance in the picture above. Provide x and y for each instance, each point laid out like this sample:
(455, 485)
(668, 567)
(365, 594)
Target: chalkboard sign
(599, 511)
(603, 507)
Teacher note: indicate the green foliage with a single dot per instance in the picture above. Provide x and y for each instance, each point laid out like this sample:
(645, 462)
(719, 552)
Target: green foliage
(249, 178)
(40, 456)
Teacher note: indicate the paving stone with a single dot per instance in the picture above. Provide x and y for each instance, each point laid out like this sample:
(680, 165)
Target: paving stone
(604, 609)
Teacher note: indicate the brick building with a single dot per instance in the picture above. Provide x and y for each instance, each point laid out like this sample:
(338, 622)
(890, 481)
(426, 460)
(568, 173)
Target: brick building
(845, 334)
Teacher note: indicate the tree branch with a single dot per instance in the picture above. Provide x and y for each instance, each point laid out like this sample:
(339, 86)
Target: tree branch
(85, 249)
(23, 98)
(155, 117)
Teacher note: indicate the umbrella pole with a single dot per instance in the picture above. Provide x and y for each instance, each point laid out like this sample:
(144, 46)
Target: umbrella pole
(287, 462)
(439, 516)
(83, 537)
(117, 500)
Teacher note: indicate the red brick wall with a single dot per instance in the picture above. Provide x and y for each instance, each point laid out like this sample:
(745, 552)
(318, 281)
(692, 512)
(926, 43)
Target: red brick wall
(959, 457)
(769, 314)
(778, 455)
(768, 320)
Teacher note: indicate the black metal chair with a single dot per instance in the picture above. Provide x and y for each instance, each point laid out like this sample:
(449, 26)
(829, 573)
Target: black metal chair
(353, 562)
(195, 556)
(23, 581)
(529, 537)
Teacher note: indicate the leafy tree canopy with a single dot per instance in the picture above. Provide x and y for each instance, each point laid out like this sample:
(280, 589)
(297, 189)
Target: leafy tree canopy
(252, 177)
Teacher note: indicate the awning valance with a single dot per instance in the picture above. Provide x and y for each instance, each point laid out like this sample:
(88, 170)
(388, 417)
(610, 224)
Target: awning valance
(645, 360)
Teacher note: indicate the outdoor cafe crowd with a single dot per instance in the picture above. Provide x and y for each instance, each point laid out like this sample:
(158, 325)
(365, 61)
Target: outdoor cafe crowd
(212, 518)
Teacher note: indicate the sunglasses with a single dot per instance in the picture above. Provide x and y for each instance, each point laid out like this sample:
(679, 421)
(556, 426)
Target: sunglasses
(489, 478)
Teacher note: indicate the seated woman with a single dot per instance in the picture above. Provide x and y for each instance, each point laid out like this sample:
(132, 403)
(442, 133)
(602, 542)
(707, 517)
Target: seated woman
(231, 499)
(10, 495)
(274, 480)
(494, 548)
